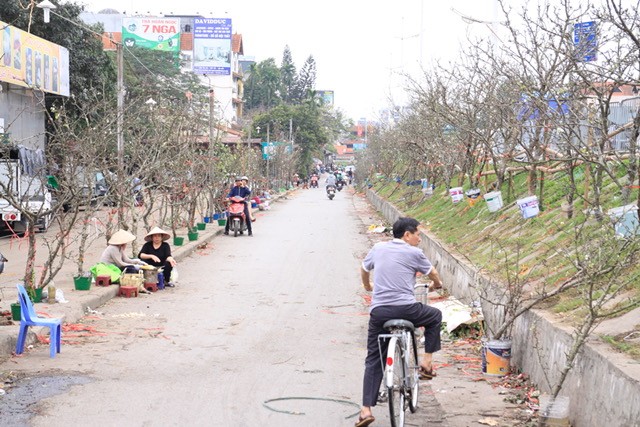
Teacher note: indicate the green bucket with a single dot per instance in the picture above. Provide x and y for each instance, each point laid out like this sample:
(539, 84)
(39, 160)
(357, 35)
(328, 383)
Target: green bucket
(222, 222)
(36, 296)
(201, 225)
(16, 311)
(178, 241)
(82, 283)
(193, 236)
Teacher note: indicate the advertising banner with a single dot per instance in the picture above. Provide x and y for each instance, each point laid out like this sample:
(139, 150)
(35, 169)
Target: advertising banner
(269, 149)
(326, 96)
(212, 46)
(152, 33)
(29, 61)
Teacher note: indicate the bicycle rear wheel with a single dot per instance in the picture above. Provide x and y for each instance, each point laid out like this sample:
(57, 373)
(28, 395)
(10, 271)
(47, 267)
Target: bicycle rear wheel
(395, 382)
(413, 375)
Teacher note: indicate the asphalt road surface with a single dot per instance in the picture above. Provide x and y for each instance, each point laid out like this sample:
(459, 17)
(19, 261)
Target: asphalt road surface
(267, 330)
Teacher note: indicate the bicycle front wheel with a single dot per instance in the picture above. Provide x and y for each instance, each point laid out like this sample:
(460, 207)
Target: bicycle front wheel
(395, 382)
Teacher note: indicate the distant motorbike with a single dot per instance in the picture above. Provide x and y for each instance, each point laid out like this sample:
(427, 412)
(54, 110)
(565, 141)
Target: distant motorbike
(236, 218)
(331, 191)
(314, 182)
(339, 185)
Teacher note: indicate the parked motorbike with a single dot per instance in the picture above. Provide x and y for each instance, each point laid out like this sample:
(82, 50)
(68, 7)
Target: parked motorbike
(339, 185)
(331, 191)
(236, 218)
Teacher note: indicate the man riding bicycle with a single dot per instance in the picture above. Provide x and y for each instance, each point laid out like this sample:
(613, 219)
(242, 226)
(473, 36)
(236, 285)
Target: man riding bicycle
(395, 264)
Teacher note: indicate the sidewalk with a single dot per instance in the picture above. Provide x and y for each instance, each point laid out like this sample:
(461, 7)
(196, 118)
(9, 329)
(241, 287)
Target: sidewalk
(15, 250)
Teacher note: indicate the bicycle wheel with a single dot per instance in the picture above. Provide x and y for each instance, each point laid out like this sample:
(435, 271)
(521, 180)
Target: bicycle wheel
(413, 376)
(395, 379)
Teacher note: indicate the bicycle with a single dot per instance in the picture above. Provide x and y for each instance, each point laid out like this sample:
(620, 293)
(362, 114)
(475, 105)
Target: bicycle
(401, 377)
(401, 380)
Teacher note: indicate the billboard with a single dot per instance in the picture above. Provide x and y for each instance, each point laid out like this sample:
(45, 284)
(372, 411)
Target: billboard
(326, 96)
(269, 149)
(212, 46)
(29, 61)
(152, 33)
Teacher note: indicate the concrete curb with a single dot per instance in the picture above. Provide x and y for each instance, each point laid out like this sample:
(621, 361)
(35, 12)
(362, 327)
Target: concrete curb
(97, 296)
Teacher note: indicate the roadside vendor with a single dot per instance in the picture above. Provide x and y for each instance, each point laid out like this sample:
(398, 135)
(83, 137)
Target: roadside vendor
(115, 252)
(157, 252)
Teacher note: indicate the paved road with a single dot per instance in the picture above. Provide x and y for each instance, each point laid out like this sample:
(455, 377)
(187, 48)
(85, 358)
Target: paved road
(276, 316)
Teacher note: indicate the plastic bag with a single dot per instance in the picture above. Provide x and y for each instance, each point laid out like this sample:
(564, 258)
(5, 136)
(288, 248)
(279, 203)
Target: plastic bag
(174, 275)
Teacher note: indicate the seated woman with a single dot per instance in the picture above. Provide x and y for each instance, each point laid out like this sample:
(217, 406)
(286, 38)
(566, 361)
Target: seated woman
(157, 252)
(115, 253)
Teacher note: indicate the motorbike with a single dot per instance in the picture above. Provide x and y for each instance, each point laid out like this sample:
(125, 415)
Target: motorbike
(314, 182)
(339, 185)
(331, 192)
(236, 218)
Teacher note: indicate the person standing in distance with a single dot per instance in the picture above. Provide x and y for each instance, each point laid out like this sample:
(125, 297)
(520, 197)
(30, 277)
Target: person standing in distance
(395, 264)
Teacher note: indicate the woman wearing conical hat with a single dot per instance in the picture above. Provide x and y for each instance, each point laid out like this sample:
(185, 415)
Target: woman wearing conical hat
(157, 252)
(115, 252)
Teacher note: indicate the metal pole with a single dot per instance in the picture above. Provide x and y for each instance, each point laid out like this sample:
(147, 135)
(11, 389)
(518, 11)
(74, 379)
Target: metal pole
(120, 107)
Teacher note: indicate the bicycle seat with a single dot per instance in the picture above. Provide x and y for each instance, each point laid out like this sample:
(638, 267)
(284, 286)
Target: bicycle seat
(398, 323)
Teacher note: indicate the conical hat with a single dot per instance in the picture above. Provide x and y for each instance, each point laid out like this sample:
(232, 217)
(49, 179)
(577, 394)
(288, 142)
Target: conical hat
(121, 237)
(157, 230)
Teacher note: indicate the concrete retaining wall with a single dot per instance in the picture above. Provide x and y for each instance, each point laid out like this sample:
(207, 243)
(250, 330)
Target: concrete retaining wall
(604, 387)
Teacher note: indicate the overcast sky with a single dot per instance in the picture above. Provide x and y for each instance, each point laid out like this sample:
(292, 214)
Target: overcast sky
(361, 47)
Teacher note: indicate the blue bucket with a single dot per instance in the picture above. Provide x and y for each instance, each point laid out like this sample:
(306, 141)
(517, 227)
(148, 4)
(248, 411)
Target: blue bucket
(206, 219)
(216, 216)
(254, 205)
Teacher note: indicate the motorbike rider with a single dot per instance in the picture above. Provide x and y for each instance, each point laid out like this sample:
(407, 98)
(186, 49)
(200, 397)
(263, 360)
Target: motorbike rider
(331, 180)
(241, 191)
(314, 180)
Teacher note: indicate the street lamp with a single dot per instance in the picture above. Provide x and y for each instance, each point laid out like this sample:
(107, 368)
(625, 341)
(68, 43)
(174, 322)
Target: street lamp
(46, 6)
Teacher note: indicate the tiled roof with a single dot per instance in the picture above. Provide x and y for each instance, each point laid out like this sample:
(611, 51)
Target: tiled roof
(236, 44)
(107, 44)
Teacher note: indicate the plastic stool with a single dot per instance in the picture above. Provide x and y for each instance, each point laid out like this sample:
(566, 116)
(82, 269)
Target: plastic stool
(103, 280)
(152, 287)
(128, 291)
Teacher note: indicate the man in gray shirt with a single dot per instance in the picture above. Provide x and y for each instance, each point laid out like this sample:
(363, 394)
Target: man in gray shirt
(395, 265)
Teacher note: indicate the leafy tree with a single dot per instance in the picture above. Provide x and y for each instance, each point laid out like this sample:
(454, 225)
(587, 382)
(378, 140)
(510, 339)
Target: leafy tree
(264, 84)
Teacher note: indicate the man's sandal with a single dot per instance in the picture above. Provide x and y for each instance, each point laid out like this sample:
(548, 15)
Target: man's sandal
(363, 422)
(426, 374)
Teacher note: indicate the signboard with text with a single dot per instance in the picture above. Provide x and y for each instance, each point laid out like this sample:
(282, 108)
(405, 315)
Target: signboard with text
(29, 61)
(212, 46)
(152, 33)
(586, 41)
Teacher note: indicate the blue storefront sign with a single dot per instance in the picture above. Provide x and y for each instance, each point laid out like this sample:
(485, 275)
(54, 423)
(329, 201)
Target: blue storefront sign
(585, 41)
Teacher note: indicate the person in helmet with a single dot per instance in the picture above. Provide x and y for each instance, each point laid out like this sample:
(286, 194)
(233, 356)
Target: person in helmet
(240, 190)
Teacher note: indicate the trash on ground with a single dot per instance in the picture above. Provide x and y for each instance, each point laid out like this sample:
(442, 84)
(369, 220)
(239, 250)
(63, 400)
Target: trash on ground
(455, 313)
(376, 228)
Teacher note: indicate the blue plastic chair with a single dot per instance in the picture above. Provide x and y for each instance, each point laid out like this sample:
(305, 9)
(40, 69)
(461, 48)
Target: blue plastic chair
(30, 318)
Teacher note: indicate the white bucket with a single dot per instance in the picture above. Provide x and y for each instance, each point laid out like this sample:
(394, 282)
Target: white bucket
(456, 194)
(494, 201)
(625, 220)
(529, 206)
(496, 357)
